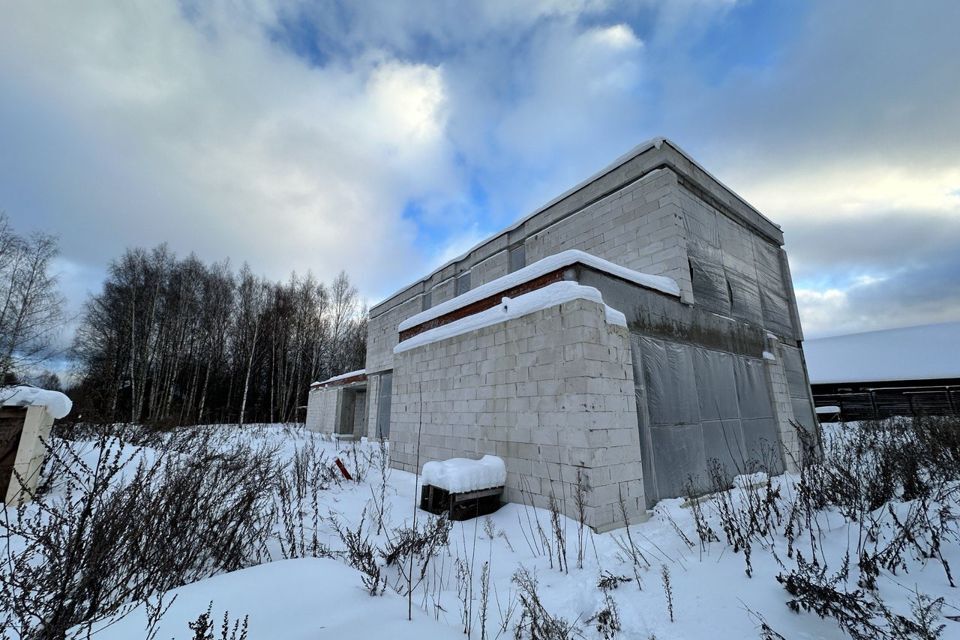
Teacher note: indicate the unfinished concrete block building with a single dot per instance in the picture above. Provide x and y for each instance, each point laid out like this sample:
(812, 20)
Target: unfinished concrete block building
(629, 333)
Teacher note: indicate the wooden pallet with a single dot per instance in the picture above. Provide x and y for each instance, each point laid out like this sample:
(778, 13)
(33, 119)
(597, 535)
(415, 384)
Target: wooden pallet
(460, 506)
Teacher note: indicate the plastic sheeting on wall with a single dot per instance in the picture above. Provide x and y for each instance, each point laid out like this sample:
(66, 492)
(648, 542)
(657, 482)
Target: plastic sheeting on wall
(798, 387)
(669, 378)
(703, 405)
(753, 392)
(709, 284)
(643, 420)
(744, 297)
(716, 385)
(776, 308)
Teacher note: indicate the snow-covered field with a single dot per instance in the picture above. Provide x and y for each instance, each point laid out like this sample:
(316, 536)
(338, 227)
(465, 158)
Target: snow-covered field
(710, 594)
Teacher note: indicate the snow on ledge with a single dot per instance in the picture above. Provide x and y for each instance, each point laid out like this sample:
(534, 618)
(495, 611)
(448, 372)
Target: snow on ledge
(342, 376)
(57, 404)
(535, 270)
(510, 308)
(459, 475)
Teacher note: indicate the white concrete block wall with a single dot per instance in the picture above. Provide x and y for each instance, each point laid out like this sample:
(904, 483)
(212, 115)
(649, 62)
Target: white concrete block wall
(382, 333)
(496, 266)
(322, 409)
(550, 393)
(441, 292)
(313, 410)
(373, 406)
(638, 227)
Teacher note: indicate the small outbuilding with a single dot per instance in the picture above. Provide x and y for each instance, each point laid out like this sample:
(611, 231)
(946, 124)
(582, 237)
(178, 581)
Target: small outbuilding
(896, 372)
(338, 405)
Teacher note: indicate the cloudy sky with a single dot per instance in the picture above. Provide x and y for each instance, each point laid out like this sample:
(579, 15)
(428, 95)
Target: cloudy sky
(385, 137)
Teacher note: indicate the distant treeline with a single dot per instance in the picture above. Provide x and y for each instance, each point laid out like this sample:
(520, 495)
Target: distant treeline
(172, 340)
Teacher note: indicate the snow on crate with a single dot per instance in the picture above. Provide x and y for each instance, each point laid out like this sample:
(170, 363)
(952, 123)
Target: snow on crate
(57, 404)
(460, 475)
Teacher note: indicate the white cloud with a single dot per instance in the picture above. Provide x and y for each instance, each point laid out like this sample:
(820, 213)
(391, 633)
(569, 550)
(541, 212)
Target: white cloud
(854, 189)
(823, 312)
(236, 147)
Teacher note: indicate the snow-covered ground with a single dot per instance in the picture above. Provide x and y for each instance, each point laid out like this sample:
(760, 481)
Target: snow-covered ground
(710, 593)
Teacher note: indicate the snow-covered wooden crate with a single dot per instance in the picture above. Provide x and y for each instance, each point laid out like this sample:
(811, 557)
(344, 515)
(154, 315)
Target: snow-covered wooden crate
(463, 488)
(26, 417)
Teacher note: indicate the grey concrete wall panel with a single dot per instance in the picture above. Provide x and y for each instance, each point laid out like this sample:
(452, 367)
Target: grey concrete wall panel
(518, 258)
(549, 392)
(382, 334)
(463, 283)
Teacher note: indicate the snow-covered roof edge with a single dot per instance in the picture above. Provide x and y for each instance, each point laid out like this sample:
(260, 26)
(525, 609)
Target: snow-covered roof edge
(57, 404)
(538, 299)
(924, 352)
(342, 376)
(535, 270)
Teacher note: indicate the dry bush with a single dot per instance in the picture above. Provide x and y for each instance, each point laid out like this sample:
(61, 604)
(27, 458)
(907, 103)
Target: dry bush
(536, 623)
(103, 536)
(204, 627)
